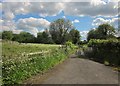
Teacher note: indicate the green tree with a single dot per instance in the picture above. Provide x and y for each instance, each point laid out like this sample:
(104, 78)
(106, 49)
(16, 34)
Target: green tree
(44, 37)
(104, 31)
(26, 37)
(74, 36)
(7, 35)
(59, 29)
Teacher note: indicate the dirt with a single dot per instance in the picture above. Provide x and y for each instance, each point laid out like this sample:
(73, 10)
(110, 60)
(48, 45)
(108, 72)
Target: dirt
(76, 71)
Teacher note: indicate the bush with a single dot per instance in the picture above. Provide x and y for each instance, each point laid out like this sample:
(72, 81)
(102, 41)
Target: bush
(105, 51)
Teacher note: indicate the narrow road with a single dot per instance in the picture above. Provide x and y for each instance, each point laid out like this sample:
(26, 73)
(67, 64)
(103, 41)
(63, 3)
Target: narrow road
(77, 71)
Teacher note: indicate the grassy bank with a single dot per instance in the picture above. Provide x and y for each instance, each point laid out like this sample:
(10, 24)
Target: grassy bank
(17, 68)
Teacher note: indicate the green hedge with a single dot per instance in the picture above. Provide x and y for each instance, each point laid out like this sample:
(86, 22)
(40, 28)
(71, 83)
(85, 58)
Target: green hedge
(105, 51)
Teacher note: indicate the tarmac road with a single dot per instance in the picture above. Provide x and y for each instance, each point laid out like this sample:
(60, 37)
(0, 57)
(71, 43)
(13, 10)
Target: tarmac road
(77, 71)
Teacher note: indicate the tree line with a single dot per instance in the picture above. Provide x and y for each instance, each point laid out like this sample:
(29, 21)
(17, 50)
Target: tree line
(59, 32)
(103, 31)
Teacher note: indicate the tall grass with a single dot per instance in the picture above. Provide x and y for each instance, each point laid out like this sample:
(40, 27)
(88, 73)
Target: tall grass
(15, 71)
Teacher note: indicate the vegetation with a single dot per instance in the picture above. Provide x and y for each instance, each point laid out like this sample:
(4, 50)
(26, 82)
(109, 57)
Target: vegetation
(25, 55)
(102, 46)
(60, 31)
(17, 67)
(105, 51)
(7, 35)
(103, 31)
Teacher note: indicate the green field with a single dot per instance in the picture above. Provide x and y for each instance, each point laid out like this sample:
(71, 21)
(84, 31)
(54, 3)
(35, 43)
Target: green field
(15, 50)
(20, 61)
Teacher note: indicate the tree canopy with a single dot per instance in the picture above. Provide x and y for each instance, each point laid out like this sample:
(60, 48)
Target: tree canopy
(104, 31)
(59, 30)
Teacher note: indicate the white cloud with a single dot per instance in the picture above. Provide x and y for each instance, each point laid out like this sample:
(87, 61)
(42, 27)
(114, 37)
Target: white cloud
(91, 8)
(84, 34)
(99, 21)
(16, 31)
(64, 17)
(8, 15)
(97, 2)
(75, 21)
(32, 25)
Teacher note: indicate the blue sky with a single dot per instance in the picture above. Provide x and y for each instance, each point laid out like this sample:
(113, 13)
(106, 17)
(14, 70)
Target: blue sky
(36, 16)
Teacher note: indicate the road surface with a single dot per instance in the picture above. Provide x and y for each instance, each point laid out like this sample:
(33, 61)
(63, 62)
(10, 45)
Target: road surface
(77, 71)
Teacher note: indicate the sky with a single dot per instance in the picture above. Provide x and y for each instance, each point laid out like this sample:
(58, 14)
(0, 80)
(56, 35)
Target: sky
(35, 16)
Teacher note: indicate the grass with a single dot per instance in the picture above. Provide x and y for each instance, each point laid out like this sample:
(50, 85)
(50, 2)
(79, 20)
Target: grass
(17, 68)
(13, 50)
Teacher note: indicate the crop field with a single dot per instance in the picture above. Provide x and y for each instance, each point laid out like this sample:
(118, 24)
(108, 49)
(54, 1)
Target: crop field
(20, 61)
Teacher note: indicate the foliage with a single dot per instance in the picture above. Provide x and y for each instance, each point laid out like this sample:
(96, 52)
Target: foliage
(105, 51)
(74, 36)
(25, 37)
(44, 37)
(59, 30)
(103, 31)
(18, 66)
(7, 35)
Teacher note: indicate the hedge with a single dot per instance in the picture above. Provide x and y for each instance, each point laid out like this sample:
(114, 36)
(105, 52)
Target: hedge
(105, 51)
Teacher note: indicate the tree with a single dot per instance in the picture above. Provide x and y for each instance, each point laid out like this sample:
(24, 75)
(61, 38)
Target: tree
(44, 37)
(93, 34)
(26, 37)
(59, 29)
(74, 36)
(104, 31)
(16, 37)
(7, 35)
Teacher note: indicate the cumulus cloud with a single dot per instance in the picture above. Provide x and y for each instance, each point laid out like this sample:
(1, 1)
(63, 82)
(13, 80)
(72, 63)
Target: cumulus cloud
(97, 2)
(76, 21)
(83, 34)
(99, 21)
(91, 8)
(33, 25)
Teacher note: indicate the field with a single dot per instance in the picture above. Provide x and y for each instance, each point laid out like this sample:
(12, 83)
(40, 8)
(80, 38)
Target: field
(20, 61)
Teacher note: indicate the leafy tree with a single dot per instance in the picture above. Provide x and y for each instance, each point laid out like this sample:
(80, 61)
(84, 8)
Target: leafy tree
(44, 37)
(103, 31)
(106, 30)
(74, 36)
(59, 29)
(93, 34)
(26, 37)
(7, 35)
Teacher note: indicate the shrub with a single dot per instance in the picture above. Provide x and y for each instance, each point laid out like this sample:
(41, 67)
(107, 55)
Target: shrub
(105, 51)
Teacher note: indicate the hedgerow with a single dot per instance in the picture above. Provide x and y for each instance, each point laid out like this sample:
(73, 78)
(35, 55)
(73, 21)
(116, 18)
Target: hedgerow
(105, 51)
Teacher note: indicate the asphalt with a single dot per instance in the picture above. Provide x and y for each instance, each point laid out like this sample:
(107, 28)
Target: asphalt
(77, 71)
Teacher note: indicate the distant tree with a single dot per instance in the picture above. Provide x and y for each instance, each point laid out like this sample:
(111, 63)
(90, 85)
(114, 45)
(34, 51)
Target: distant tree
(93, 34)
(44, 37)
(104, 31)
(16, 37)
(26, 37)
(7, 35)
(0, 35)
(74, 36)
(39, 37)
(59, 30)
